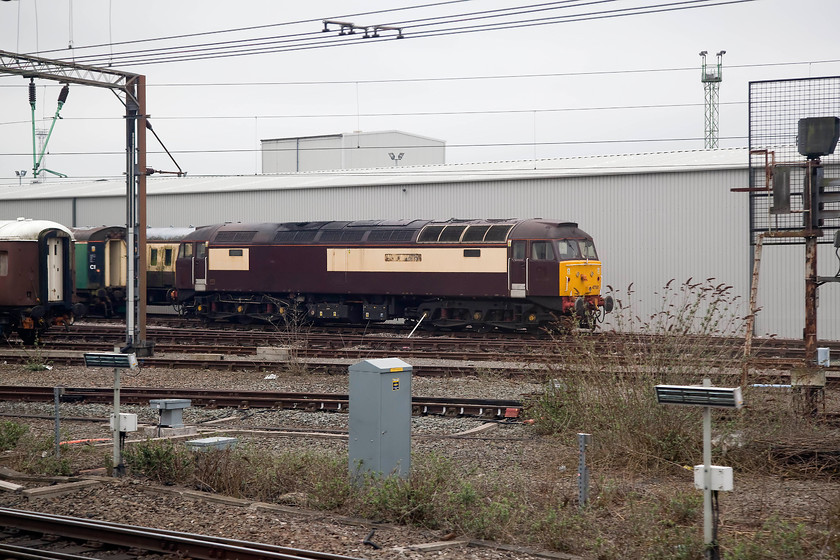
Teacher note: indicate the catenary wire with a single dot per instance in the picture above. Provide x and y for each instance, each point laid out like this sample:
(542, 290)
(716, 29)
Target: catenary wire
(258, 46)
(292, 37)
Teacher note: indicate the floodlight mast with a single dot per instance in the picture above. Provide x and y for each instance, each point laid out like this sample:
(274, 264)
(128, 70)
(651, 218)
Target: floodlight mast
(134, 87)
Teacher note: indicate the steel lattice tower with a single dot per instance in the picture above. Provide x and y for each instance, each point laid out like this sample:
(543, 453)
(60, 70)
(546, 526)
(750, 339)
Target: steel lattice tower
(711, 77)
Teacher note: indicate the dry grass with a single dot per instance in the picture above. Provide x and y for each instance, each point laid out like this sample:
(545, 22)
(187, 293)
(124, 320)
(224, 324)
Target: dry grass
(642, 504)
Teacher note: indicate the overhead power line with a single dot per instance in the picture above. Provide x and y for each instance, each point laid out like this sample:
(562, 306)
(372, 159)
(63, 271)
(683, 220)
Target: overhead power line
(254, 27)
(456, 24)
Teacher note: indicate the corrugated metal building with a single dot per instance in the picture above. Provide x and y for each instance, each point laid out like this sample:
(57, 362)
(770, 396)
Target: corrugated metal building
(654, 217)
(357, 150)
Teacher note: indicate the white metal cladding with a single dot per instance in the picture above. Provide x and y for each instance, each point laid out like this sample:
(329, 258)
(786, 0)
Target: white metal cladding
(654, 219)
(57, 210)
(101, 211)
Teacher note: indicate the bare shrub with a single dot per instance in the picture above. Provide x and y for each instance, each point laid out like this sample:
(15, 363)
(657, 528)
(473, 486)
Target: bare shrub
(293, 330)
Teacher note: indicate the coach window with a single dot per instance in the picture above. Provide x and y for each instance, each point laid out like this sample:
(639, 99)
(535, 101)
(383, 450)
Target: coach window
(153, 257)
(167, 256)
(518, 250)
(542, 251)
(4, 263)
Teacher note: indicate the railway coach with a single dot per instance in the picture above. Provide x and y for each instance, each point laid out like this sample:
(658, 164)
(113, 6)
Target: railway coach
(100, 268)
(36, 277)
(101, 271)
(481, 274)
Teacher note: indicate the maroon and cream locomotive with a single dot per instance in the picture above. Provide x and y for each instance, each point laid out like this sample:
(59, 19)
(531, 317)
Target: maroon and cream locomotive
(507, 273)
(36, 277)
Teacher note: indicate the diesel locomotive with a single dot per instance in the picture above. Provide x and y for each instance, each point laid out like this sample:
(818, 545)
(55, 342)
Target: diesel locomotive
(36, 277)
(478, 274)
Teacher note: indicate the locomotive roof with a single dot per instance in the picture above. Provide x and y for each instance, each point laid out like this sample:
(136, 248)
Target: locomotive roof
(266, 232)
(26, 229)
(547, 229)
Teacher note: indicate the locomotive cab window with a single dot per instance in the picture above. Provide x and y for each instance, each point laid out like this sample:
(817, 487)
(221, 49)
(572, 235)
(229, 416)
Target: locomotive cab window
(186, 250)
(4, 263)
(588, 249)
(567, 249)
(200, 250)
(542, 251)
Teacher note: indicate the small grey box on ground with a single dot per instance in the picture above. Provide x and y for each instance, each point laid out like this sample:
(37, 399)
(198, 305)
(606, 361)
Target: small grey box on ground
(171, 411)
(212, 443)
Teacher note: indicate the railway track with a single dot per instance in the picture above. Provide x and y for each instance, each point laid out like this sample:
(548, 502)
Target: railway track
(327, 402)
(28, 534)
(331, 352)
(337, 338)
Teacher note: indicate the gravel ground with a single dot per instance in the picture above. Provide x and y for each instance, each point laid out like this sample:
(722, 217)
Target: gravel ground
(497, 445)
(514, 445)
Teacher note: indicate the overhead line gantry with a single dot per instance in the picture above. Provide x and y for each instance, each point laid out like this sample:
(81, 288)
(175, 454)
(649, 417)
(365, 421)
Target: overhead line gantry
(133, 86)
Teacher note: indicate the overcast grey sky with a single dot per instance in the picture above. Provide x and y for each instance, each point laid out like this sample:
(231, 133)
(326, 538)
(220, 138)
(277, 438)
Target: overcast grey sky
(603, 82)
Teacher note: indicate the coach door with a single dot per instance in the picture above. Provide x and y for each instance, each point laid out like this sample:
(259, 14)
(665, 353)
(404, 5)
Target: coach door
(200, 266)
(518, 268)
(115, 262)
(55, 269)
